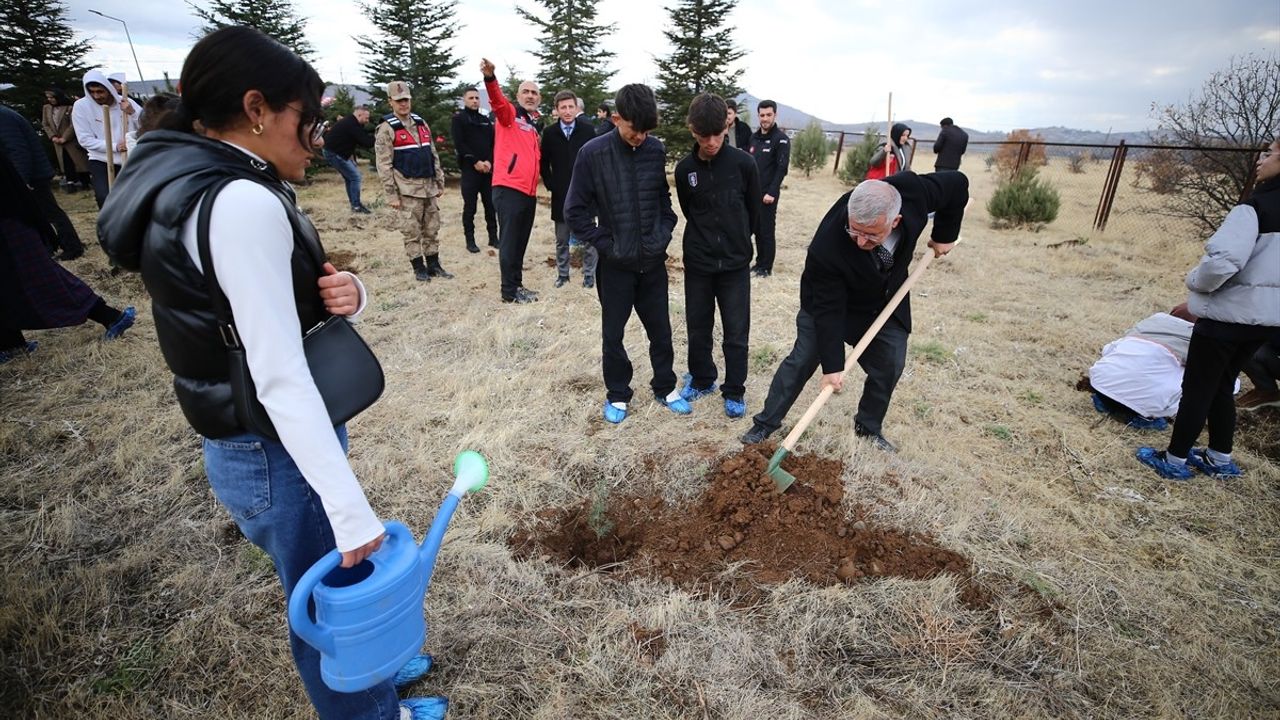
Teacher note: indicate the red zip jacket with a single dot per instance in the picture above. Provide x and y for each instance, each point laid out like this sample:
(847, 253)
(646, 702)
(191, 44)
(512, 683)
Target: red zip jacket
(516, 153)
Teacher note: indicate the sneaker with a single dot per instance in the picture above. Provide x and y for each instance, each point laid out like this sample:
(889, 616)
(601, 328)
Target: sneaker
(561, 281)
(16, 352)
(412, 672)
(1155, 459)
(531, 293)
(876, 438)
(520, 299)
(122, 323)
(679, 406)
(588, 282)
(362, 210)
(1257, 399)
(527, 295)
(424, 708)
(689, 393)
(734, 409)
(613, 414)
(756, 434)
(1199, 459)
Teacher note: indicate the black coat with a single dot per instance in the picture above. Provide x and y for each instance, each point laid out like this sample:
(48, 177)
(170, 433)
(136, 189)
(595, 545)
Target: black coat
(720, 200)
(472, 133)
(18, 140)
(558, 154)
(604, 125)
(772, 151)
(741, 135)
(950, 145)
(842, 286)
(345, 135)
(619, 201)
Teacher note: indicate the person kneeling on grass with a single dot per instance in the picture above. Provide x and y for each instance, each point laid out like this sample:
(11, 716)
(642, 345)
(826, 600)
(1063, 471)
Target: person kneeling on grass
(1263, 371)
(619, 201)
(1235, 291)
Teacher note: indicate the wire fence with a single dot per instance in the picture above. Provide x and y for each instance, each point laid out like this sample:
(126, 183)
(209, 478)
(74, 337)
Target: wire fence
(1117, 189)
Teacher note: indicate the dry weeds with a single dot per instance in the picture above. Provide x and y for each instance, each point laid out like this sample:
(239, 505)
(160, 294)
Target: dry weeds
(128, 594)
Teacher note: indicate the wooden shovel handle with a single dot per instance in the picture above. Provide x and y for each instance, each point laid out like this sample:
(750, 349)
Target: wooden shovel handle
(858, 349)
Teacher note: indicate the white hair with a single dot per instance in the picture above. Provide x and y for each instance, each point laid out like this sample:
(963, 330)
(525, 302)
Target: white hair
(874, 200)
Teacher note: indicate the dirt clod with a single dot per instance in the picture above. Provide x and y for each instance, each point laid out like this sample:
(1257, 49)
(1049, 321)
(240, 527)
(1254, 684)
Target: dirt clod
(741, 518)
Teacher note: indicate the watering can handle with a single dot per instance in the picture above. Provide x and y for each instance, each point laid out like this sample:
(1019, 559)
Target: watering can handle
(299, 619)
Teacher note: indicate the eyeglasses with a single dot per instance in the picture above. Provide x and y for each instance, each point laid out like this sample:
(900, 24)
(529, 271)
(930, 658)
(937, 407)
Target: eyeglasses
(317, 127)
(874, 239)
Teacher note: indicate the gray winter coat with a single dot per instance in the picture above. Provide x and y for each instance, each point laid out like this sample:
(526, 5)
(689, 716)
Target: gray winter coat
(1238, 279)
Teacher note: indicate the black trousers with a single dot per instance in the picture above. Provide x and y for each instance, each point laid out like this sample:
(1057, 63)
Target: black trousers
(1264, 368)
(731, 291)
(620, 291)
(68, 238)
(98, 175)
(883, 361)
(766, 241)
(515, 221)
(477, 184)
(1207, 384)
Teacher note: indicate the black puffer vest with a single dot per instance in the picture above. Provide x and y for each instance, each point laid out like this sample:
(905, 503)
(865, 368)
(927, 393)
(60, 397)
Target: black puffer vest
(636, 178)
(140, 228)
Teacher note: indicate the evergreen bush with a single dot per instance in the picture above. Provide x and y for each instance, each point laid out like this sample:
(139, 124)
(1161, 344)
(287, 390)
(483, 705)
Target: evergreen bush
(853, 169)
(1024, 200)
(809, 148)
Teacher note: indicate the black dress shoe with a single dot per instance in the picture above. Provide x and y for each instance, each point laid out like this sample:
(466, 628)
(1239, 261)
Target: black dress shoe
(561, 281)
(756, 434)
(761, 272)
(588, 282)
(472, 247)
(876, 438)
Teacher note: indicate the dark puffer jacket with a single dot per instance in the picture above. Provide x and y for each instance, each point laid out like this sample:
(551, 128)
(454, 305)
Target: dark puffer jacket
(140, 227)
(619, 201)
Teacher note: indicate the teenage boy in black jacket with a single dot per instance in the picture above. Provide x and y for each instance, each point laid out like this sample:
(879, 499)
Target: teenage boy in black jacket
(772, 150)
(619, 201)
(473, 141)
(718, 187)
(561, 142)
(858, 259)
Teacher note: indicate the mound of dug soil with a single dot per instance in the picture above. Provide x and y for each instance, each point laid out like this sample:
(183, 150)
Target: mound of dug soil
(742, 532)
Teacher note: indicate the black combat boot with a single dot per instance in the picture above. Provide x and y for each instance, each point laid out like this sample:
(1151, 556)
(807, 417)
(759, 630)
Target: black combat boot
(420, 270)
(435, 269)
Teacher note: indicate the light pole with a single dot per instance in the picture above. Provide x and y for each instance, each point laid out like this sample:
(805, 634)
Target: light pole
(127, 37)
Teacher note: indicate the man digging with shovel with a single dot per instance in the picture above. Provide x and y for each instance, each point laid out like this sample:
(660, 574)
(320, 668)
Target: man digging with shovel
(857, 261)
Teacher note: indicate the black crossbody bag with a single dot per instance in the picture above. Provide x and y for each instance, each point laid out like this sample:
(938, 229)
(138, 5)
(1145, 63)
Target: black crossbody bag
(344, 369)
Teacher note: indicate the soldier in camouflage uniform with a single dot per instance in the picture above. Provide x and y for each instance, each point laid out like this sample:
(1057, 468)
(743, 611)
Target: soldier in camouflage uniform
(413, 179)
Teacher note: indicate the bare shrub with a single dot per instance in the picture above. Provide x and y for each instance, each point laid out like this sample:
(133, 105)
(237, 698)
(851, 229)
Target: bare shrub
(1159, 171)
(1006, 155)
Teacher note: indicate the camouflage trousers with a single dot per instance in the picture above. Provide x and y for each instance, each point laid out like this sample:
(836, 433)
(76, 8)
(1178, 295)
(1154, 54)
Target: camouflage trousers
(419, 219)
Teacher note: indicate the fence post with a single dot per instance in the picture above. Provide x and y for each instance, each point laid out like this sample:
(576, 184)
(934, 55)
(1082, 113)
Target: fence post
(1110, 187)
(1024, 151)
(839, 148)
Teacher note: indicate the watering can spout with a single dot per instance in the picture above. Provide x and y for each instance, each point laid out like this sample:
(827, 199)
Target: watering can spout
(471, 473)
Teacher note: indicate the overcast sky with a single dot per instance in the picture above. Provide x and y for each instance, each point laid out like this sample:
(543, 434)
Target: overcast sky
(996, 65)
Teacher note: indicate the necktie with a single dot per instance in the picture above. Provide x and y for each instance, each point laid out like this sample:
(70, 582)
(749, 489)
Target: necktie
(885, 257)
(567, 131)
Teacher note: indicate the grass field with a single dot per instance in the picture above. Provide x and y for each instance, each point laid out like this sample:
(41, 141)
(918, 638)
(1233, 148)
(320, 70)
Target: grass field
(129, 594)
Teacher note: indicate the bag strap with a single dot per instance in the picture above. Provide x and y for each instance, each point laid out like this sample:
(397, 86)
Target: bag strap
(222, 308)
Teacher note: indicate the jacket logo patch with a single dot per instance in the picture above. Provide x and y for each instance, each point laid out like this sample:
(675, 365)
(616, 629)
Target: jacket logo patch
(693, 179)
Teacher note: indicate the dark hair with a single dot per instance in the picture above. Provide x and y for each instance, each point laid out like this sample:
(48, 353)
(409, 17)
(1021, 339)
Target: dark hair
(60, 96)
(637, 105)
(563, 95)
(708, 115)
(605, 107)
(470, 90)
(155, 110)
(945, 122)
(231, 61)
(767, 104)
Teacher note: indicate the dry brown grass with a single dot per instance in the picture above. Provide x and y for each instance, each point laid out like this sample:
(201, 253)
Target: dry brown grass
(128, 595)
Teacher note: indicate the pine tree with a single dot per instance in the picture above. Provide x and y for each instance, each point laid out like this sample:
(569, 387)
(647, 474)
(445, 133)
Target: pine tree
(701, 60)
(276, 18)
(414, 43)
(40, 52)
(570, 49)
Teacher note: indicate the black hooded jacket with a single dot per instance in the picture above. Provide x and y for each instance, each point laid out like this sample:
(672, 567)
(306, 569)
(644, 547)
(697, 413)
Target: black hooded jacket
(140, 228)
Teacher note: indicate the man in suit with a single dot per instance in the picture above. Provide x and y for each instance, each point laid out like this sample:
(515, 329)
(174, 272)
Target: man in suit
(561, 142)
(858, 259)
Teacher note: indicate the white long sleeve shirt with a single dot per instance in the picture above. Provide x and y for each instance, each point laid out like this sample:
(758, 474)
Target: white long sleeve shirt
(91, 133)
(251, 244)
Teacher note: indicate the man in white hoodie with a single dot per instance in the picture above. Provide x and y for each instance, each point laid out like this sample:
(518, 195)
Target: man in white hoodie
(86, 118)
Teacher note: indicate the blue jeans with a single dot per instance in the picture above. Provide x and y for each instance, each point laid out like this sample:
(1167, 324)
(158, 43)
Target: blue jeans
(258, 483)
(350, 175)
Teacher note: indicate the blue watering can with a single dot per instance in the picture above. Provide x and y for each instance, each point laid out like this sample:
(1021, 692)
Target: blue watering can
(369, 620)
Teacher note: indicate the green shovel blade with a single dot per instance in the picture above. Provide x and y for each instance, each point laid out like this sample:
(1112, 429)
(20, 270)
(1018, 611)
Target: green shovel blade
(781, 478)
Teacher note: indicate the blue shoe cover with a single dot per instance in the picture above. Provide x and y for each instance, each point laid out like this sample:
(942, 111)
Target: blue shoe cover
(689, 393)
(1155, 460)
(613, 414)
(1141, 423)
(1098, 404)
(426, 708)
(1199, 459)
(413, 671)
(124, 322)
(734, 408)
(679, 406)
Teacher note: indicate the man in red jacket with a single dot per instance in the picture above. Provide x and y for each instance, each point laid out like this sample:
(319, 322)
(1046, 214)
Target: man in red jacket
(516, 158)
